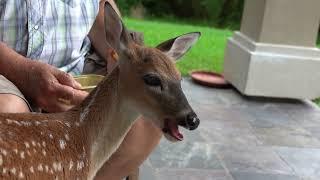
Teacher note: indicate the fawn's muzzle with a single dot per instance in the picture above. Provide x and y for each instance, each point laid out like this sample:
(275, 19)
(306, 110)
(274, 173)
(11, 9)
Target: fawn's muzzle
(191, 121)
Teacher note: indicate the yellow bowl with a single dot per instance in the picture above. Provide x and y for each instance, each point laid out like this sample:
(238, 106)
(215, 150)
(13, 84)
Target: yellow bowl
(88, 81)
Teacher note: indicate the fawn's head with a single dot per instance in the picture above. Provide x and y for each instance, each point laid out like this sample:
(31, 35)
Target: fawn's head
(151, 83)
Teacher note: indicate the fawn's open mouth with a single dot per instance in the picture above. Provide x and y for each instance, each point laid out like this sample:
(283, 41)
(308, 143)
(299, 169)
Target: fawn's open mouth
(171, 128)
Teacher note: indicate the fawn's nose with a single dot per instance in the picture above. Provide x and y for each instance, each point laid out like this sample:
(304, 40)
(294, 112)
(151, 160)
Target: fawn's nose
(191, 121)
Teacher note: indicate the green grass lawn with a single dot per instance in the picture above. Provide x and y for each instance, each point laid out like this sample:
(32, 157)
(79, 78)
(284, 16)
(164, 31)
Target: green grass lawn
(318, 100)
(207, 54)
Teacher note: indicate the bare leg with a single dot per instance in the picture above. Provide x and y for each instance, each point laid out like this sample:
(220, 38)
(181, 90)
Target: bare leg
(136, 147)
(12, 104)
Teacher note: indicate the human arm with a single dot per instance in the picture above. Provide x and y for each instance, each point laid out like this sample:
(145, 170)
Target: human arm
(41, 83)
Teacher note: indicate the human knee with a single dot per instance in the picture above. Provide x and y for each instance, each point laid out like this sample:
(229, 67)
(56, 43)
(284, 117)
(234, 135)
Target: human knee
(12, 104)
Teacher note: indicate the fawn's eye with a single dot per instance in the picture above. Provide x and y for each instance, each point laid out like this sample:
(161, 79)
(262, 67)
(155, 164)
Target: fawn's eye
(152, 80)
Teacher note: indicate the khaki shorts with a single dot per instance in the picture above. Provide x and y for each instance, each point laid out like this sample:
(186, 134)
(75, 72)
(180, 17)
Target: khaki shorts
(7, 87)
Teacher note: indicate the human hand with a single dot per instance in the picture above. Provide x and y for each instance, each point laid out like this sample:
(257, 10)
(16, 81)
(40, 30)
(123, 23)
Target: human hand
(45, 85)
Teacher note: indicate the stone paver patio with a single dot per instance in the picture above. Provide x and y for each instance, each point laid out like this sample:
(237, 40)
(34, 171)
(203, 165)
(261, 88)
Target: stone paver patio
(241, 138)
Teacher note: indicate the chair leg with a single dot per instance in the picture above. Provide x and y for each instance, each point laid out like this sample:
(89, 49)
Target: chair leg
(134, 175)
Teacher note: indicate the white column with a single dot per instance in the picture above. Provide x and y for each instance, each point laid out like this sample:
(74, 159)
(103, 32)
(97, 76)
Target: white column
(274, 54)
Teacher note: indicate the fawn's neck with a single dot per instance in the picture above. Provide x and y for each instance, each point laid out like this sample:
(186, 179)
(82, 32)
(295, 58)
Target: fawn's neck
(106, 118)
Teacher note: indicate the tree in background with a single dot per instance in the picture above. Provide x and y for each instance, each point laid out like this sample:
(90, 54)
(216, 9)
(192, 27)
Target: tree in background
(222, 13)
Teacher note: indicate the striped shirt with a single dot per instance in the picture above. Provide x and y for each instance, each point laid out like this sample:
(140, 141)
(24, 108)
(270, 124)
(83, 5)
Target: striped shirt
(51, 31)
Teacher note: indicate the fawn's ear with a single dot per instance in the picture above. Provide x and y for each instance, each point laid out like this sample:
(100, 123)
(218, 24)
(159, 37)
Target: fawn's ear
(177, 47)
(113, 26)
(124, 39)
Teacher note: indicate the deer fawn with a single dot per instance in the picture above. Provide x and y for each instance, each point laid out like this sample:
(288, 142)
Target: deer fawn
(76, 143)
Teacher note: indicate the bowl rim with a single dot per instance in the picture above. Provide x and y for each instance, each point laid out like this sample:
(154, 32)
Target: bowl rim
(88, 76)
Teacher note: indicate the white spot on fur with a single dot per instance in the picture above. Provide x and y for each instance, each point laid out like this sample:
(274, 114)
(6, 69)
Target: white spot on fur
(43, 144)
(67, 124)
(62, 144)
(33, 143)
(37, 123)
(51, 171)
(80, 165)
(4, 170)
(25, 123)
(4, 152)
(28, 152)
(57, 166)
(83, 152)
(38, 144)
(70, 164)
(44, 152)
(84, 114)
(41, 133)
(77, 124)
(9, 121)
(50, 136)
(40, 168)
(15, 151)
(47, 168)
(31, 169)
(67, 137)
(21, 175)
(17, 123)
(1, 160)
(13, 171)
(22, 154)
(34, 150)
(27, 144)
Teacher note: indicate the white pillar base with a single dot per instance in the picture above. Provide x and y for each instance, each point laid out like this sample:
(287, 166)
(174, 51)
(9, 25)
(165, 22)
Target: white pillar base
(272, 70)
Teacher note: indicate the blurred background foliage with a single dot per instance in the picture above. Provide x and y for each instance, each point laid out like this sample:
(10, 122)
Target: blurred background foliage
(218, 13)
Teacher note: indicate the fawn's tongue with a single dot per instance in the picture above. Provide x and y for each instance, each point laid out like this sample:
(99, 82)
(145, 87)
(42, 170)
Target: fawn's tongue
(174, 130)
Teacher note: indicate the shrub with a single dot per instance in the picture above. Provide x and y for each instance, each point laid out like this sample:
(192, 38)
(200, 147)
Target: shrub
(221, 12)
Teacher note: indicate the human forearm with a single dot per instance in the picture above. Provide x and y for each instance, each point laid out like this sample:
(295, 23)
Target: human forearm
(11, 62)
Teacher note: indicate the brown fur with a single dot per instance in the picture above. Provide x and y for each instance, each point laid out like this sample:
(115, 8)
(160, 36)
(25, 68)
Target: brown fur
(75, 144)
(31, 142)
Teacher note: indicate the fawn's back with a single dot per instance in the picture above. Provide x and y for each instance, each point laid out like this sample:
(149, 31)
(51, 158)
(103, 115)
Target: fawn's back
(41, 146)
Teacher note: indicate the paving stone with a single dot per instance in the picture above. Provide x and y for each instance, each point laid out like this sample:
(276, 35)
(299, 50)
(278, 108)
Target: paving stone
(307, 120)
(253, 138)
(253, 159)
(305, 162)
(222, 133)
(292, 137)
(193, 174)
(147, 172)
(185, 155)
(259, 176)
(270, 116)
(315, 131)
